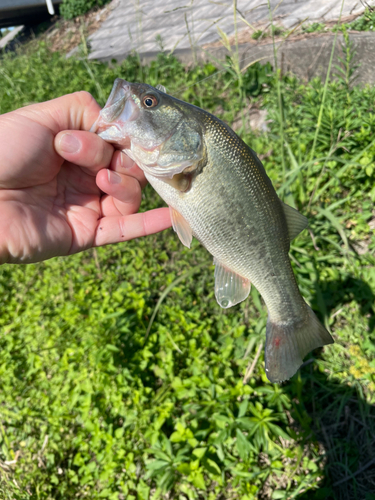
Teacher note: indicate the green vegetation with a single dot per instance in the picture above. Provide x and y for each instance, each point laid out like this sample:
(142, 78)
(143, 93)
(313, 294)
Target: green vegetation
(74, 8)
(257, 34)
(313, 28)
(366, 22)
(91, 408)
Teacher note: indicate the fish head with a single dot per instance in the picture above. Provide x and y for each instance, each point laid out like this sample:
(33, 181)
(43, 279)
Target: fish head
(153, 128)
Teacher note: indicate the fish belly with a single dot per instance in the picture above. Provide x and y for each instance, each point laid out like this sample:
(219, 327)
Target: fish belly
(242, 225)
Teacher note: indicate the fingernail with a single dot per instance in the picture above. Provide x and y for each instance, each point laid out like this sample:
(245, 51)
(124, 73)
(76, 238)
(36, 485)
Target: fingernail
(69, 143)
(113, 177)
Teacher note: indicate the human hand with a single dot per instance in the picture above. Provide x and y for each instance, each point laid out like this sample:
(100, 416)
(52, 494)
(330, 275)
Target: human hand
(63, 189)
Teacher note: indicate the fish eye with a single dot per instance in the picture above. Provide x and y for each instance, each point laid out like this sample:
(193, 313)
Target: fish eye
(150, 101)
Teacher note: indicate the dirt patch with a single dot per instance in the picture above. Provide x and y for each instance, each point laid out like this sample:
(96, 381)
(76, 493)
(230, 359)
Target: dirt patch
(63, 36)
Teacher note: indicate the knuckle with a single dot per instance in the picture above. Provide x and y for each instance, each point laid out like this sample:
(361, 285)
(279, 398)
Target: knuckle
(85, 98)
(122, 227)
(99, 156)
(134, 192)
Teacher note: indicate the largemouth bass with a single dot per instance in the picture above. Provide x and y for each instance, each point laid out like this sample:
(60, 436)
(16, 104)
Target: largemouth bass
(218, 191)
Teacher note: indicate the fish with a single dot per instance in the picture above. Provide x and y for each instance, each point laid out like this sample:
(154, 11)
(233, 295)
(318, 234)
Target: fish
(218, 191)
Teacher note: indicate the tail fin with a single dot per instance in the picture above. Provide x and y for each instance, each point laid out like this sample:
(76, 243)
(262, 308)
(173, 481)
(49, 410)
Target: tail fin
(288, 343)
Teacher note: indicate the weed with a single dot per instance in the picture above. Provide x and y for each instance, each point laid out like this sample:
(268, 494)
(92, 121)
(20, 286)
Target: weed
(73, 8)
(366, 22)
(313, 28)
(257, 34)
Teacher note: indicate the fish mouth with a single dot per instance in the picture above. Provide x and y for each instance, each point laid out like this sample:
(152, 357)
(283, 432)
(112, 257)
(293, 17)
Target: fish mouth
(119, 110)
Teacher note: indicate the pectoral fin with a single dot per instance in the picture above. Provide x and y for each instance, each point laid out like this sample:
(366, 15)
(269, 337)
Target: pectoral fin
(182, 227)
(296, 221)
(230, 288)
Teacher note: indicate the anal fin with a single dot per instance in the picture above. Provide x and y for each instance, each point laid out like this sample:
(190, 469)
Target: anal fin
(182, 227)
(230, 288)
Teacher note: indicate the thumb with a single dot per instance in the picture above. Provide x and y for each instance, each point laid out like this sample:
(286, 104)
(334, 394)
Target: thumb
(84, 149)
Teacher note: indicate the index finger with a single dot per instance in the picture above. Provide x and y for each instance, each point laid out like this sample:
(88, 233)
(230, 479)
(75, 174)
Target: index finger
(127, 227)
(77, 111)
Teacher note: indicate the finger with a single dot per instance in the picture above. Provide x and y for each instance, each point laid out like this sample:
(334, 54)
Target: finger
(77, 111)
(84, 149)
(124, 228)
(124, 192)
(109, 209)
(122, 164)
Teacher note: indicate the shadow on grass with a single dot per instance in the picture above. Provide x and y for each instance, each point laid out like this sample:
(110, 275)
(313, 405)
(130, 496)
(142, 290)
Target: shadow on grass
(330, 296)
(338, 415)
(344, 425)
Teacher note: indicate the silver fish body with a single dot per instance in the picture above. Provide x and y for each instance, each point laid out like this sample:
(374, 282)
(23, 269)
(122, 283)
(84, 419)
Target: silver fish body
(219, 192)
(232, 185)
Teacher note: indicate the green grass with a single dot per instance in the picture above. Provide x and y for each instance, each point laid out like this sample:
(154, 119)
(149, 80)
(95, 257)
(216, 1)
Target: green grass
(70, 9)
(91, 408)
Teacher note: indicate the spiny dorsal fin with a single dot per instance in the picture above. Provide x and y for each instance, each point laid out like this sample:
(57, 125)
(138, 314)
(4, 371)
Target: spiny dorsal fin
(296, 222)
(161, 87)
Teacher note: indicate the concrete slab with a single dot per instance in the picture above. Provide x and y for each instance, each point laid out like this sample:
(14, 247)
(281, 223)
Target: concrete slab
(10, 36)
(137, 21)
(309, 57)
(135, 26)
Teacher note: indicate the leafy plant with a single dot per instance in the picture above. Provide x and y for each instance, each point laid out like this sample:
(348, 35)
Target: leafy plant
(73, 8)
(257, 34)
(258, 79)
(313, 27)
(366, 22)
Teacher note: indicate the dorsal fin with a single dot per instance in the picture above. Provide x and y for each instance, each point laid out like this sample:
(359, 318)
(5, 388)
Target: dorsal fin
(161, 87)
(296, 222)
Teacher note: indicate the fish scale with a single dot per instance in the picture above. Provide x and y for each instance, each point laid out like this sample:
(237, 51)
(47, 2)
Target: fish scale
(219, 192)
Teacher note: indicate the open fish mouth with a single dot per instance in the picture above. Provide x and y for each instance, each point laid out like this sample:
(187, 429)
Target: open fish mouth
(119, 110)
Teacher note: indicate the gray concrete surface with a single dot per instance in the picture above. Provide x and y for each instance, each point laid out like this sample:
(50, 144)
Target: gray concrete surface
(309, 57)
(9, 36)
(147, 25)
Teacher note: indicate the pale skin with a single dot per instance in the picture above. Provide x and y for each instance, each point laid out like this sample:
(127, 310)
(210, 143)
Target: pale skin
(62, 188)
